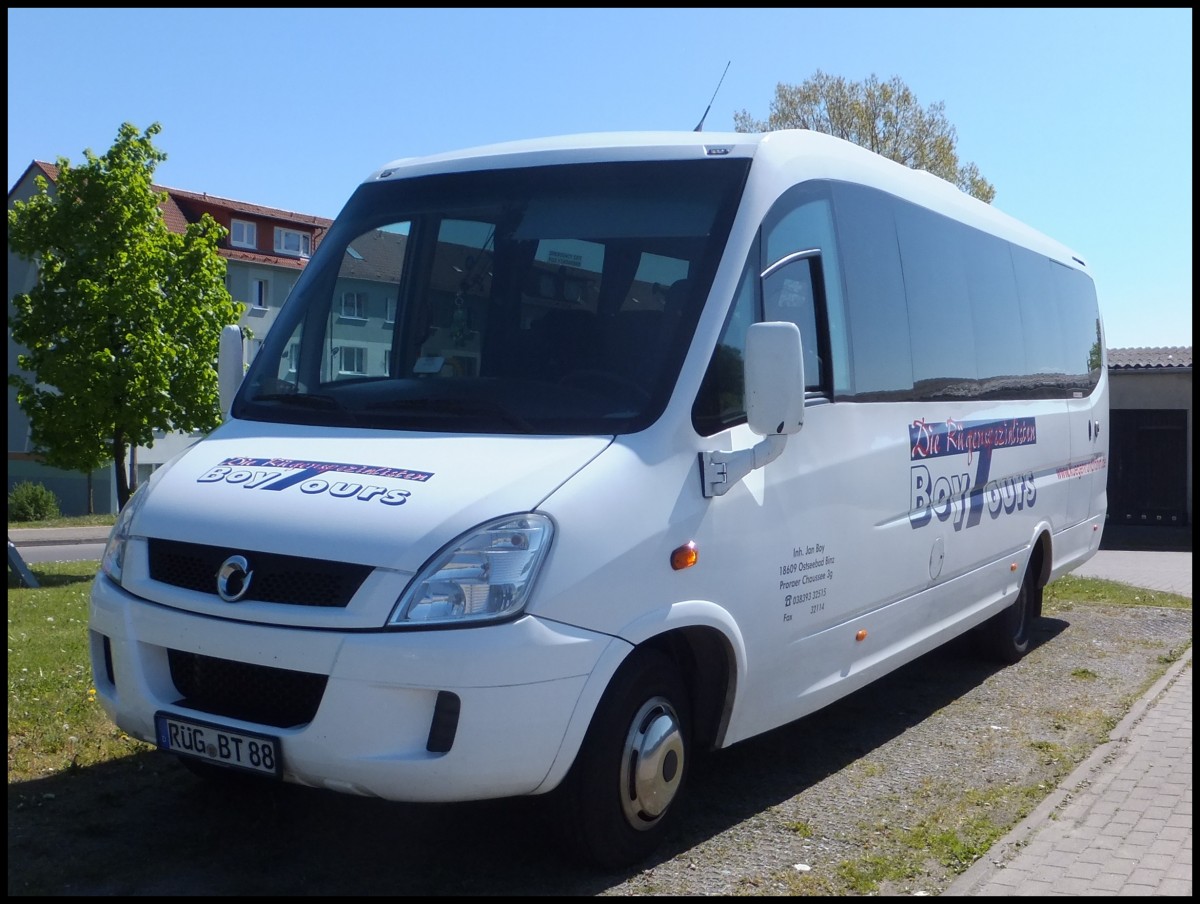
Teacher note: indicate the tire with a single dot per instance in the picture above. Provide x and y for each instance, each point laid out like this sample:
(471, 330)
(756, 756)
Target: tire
(1006, 636)
(623, 791)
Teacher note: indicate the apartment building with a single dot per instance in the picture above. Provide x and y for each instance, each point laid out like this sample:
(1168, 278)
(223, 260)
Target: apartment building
(265, 251)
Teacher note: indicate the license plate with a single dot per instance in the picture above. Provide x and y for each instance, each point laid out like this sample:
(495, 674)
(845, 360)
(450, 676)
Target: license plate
(218, 745)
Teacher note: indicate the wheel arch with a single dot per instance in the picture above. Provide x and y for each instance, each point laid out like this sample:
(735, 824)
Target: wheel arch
(1040, 567)
(708, 665)
(703, 642)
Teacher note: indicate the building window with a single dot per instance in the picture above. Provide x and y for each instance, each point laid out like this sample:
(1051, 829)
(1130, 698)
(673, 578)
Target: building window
(353, 360)
(259, 292)
(292, 357)
(292, 242)
(243, 234)
(389, 315)
(354, 304)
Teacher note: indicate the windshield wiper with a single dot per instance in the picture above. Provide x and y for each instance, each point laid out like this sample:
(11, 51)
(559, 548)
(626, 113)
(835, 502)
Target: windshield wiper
(310, 400)
(457, 406)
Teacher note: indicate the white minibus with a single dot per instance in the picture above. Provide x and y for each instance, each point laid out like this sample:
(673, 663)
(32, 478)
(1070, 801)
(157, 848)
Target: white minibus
(568, 460)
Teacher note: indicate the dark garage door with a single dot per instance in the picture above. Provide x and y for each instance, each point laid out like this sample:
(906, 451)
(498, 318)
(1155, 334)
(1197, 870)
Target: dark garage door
(1147, 478)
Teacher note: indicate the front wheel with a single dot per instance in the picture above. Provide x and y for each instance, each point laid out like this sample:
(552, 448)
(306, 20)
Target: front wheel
(618, 800)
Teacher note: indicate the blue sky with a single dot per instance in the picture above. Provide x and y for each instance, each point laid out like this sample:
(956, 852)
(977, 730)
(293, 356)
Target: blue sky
(1081, 118)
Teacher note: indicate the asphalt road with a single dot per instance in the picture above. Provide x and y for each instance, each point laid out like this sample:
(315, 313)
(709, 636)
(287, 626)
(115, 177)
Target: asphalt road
(65, 552)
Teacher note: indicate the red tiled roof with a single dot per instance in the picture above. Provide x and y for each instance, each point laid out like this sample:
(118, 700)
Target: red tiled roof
(184, 207)
(257, 257)
(35, 168)
(1164, 358)
(50, 171)
(175, 218)
(246, 208)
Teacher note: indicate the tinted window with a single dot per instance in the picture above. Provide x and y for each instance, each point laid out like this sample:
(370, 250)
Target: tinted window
(942, 331)
(802, 220)
(995, 308)
(721, 401)
(938, 309)
(1042, 328)
(790, 293)
(876, 308)
(558, 300)
(1081, 327)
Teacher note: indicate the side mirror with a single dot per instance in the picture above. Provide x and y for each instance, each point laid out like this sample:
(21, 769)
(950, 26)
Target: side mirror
(774, 405)
(774, 378)
(230, 365)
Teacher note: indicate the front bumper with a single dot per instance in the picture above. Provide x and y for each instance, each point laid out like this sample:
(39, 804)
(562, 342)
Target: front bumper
(519, 684)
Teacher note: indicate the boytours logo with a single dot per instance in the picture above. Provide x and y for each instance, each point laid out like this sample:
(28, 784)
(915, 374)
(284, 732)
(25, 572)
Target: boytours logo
(956, 495)
(340, 480)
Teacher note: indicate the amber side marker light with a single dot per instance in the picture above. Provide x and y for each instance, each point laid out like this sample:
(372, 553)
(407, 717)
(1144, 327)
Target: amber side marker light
(685, 556)
(1012, 567)
(861, 636)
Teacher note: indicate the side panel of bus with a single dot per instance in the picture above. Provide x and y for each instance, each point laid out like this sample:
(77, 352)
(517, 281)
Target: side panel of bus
(951, 418)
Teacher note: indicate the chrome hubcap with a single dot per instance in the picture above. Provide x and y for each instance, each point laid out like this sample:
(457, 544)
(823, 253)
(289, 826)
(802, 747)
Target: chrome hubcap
(651, 763)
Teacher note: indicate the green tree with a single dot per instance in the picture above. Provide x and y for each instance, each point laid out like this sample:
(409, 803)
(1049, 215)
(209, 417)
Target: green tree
(121, 330)
(883, 117)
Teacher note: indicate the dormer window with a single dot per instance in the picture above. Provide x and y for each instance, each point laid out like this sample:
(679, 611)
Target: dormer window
(292, 242)
(243, 234)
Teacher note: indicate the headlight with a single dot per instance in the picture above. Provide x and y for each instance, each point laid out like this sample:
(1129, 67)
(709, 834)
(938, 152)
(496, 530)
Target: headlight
(485, 575)
(113, 560)
(112, 563)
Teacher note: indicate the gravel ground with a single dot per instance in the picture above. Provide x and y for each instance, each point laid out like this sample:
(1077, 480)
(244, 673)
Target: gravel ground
(894, 790)
(948, 743)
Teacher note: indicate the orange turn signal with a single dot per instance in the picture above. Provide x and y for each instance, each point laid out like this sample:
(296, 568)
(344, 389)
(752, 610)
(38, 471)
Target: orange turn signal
(861, 635)
(685, 556)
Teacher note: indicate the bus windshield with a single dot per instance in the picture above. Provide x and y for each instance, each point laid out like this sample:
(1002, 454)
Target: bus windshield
(551, 300)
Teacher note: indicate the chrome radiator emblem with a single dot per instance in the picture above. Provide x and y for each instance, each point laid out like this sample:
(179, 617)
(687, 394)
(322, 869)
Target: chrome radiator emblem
(233, 579)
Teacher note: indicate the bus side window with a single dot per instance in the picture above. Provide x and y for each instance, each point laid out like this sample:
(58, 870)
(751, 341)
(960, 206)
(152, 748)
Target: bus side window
(791, 293)
(721, 401)
(802, 221)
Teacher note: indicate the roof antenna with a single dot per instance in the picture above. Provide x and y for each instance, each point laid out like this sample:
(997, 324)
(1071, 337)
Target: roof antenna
(700, 124)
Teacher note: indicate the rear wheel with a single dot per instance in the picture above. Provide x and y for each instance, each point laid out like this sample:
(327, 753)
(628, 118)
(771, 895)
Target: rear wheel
(1006, 635)
(620, 796)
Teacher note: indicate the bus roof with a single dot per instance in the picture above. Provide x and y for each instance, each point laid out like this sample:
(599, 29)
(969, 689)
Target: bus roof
(788, 156)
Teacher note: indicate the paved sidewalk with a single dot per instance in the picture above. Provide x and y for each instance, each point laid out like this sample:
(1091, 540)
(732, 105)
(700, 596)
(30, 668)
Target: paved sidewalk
(1121, 823)
(1152, 569)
